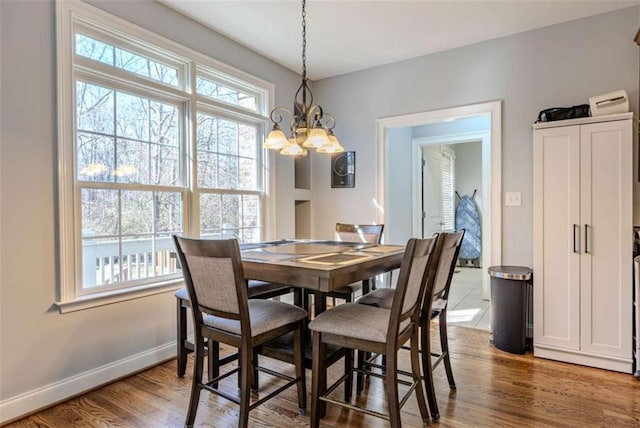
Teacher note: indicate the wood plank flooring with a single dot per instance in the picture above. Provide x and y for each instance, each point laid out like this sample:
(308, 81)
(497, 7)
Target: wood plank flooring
(495, 388)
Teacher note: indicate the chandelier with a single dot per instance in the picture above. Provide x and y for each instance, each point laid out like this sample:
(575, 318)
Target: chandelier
(310, 127)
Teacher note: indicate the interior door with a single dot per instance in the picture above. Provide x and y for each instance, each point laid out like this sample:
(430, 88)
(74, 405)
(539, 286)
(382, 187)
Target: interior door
(556, 243)
(606, 214)
(431, 190)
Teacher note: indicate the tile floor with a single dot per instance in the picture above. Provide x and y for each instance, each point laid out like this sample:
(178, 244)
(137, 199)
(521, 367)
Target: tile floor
(466, 306)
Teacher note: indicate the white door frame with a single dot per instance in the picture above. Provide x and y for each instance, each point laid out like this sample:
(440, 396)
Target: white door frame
(494, 181)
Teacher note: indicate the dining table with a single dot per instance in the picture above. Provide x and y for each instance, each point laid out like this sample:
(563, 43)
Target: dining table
(319, 266)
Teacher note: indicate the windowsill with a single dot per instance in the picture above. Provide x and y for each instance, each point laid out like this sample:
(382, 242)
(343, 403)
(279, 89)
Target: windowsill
(116, 296)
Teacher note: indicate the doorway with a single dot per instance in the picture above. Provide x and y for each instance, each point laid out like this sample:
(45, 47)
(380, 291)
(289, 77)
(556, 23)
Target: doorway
(393, 212)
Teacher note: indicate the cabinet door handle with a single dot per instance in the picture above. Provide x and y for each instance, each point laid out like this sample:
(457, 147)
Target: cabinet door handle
(586, 239)
(576, 248)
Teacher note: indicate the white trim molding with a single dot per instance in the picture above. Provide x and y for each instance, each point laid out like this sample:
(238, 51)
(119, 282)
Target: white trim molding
(16, 407)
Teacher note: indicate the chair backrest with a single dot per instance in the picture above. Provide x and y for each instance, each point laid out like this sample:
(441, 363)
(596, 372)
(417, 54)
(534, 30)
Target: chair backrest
(214, 278)
(412, 281)
(367, 233)
(451, 243)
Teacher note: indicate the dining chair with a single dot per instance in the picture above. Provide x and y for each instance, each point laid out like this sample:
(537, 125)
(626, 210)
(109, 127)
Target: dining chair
(434, 306)
(255, 289)
(377, 330)
(223, 313)
(364, 233)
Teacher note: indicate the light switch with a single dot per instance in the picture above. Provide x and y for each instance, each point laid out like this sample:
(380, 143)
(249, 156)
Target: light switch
(513, 199)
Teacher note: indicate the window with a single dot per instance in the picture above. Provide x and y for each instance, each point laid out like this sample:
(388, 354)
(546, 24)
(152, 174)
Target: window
(147, 151)
(448, 188)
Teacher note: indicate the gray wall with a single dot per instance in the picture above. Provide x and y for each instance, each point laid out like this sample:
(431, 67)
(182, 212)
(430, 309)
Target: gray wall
(560, 65)
(399, 227)
(468, 169)
(469, 173)
(39, 346)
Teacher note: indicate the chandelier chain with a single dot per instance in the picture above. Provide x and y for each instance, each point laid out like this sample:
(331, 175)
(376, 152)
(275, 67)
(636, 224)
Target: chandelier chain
(304, 40)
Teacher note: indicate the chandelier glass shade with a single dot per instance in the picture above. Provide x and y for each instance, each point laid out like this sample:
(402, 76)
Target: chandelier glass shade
(309, 126)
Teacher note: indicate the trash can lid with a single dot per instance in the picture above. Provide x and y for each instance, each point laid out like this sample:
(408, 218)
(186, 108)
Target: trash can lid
(519, 273)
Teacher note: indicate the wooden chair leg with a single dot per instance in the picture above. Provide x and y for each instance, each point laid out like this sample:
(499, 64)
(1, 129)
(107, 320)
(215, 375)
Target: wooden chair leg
(366, 286)
(298, 298)
(348, 371)
(246, 370)
(298, 355)
(415, 370)
(254, 374)
(181, 336)
(391, 386)
(318, 380)
(427, 369)
(444, 345)
(213, 360)
(360, 375)
(196, 383)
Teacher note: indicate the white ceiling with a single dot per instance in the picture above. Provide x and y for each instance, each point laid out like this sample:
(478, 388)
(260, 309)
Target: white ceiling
(345, 36)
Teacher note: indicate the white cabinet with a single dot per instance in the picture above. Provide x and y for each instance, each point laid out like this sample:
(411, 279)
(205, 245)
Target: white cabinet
(583, 241)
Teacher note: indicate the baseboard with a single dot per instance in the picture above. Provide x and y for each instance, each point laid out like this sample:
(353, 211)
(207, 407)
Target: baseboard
(606, 362)
(21, 405)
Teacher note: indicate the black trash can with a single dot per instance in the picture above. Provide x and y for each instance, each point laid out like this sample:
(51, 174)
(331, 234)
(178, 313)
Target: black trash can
(510, 307)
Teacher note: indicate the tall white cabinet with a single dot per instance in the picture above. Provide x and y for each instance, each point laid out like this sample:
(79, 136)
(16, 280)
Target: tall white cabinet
(583, 241)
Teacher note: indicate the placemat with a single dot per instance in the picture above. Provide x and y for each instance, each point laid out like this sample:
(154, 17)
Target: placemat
(334, 259)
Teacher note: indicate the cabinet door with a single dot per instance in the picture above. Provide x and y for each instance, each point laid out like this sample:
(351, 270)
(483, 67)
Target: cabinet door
(556, 252)
(607, 238)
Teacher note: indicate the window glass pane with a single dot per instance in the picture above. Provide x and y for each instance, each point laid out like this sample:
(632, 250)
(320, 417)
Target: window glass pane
(164, 125)
(94, 108)
(227, 172)
(231, 219)
(132, 162)
(224, 93)
(168, 209)
(95, 156)
(207, 146)
(250, 211)
(100, 261)
(210, 216)
(138, 252)
(207, 170)
(146, 122)
(227, 137)
(121, 58)
(94, 49)
(132, 119)
(99, 212)
(248, 140)
(247, 101)
(206, 87)
(137, 212)
(248, 174)
(227, 95)
(138, 256)
(165, 165)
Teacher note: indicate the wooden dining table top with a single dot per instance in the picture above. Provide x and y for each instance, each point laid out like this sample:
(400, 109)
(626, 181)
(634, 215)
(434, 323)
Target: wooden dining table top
(320, 266)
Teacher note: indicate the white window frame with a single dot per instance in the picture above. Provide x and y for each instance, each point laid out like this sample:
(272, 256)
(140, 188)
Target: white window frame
(70, 15)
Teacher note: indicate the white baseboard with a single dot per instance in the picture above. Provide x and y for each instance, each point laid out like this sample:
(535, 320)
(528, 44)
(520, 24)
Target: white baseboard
(28, 402)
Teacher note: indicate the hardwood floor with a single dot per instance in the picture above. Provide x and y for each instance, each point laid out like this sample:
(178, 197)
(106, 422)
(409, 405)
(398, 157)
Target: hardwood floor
(494, 389)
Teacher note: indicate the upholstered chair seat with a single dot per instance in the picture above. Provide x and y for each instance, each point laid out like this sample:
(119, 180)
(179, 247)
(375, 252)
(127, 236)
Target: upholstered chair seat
(266, 315)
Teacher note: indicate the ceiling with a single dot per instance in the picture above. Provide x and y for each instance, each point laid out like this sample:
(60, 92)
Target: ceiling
(346, 36)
